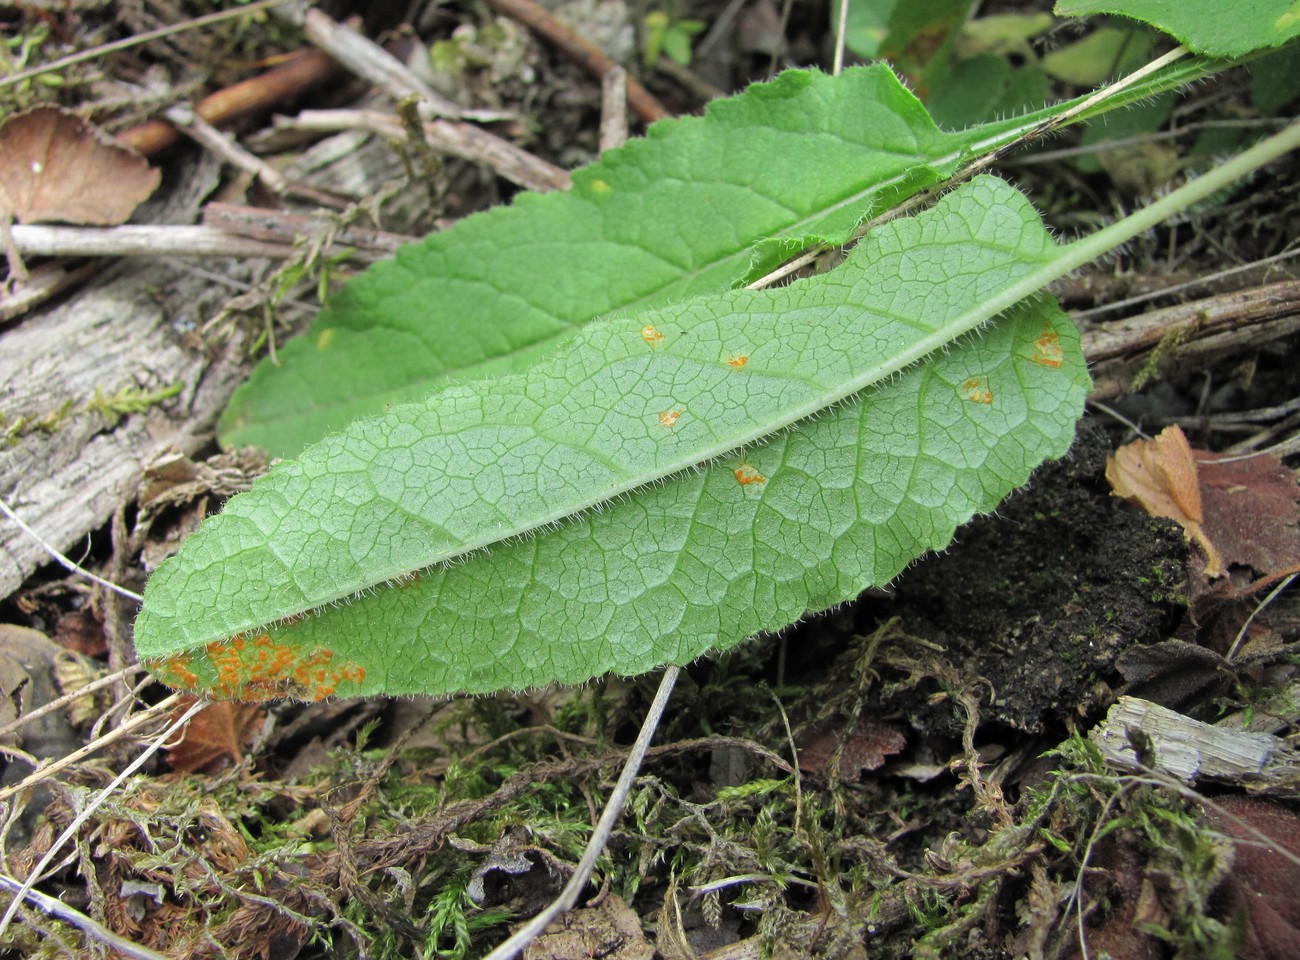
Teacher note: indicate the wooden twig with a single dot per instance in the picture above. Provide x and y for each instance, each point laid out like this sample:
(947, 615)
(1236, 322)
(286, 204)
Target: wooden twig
(365, 58)
(1189, 333)
(277, 226)
(578, 48)
(458, 139)
(613, 109)
(298, 72)
(142, 241)
(187, 120)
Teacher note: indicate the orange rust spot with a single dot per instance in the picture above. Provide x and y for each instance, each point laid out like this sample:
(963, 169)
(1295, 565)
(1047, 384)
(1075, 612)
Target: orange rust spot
(175, 672)
(409, 579)
(669, 417)
(977, 390)
(261, 669)
(746, 475)
(737, 361)
(651, 335)
(1047, 348)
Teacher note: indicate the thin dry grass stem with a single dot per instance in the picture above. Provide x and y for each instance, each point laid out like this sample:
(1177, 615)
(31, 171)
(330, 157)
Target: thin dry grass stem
(38, 871)
(530, 931)
(127, 726)
(1241, 634)
(68, 698)
(64, 561)
(841, 33)
(135, 41)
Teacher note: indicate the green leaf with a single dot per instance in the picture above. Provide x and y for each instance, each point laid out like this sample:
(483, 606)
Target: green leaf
(802, 159)
(520, 481)
(867, 26)
(1209, 27)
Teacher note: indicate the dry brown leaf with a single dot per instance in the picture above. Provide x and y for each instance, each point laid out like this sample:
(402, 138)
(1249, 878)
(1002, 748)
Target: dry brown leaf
(56, 166)
(1252, 510)
(1160, 476)
(865, 748)
(217, 737)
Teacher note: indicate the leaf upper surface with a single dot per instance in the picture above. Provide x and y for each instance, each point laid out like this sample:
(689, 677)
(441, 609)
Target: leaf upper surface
(693, 207)
(1206, 26)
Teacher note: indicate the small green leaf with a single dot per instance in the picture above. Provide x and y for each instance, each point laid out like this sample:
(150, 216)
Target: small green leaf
(1209, 27)
(482, 539)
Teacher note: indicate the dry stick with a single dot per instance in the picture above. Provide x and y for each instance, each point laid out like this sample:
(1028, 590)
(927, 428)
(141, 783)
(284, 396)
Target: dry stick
(299, 71)
(35, 876)
(582, 50)
(600, 836)
(143, 241)
(1201, 328)
(135, 41)
(277, 226)
(256, 233)
(367, 59)
(459, 139)
(187, 120)
(91, 928)
(117, 733)
(1201, 281)
(613, 109)
(62, 560)
(44, 281)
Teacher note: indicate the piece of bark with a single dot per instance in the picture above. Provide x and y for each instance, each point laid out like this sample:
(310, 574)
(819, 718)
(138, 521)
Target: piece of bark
(126, 332)
(1137, 734)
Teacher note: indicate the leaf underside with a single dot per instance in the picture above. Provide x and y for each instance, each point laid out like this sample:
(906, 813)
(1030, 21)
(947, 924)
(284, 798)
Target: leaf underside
(350, 543)
(800, 523)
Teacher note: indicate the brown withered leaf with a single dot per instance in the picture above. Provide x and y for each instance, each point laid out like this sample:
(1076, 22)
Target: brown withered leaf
(1252, 510)
(1160, 476)
(1264, 875)
(216, 738)
(865, 748)
(56, 166)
